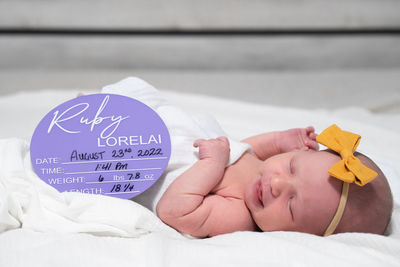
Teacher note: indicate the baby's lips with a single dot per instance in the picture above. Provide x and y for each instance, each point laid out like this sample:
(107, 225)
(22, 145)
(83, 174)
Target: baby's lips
(267, 195)
(260, 194)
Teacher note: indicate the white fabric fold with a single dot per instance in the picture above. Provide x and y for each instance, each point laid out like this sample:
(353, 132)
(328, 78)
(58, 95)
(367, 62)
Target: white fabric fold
(28, 202)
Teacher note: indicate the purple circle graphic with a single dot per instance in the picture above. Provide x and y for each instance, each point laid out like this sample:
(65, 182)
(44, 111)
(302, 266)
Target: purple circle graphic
(101, 144)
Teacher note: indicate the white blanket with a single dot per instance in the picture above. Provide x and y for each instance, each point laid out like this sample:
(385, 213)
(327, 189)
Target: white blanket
(41, 227)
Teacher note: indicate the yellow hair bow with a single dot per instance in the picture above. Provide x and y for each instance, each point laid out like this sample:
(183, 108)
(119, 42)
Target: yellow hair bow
(349, 169)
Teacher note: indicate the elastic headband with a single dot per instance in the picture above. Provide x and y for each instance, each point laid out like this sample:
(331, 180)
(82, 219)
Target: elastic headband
(339, 212)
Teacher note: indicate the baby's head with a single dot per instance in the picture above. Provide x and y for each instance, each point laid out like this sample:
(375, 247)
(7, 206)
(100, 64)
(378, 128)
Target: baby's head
(296, 193)
(369, 207)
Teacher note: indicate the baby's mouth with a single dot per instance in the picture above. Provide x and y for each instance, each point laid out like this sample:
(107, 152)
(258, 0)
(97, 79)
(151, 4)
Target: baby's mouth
(260, 193)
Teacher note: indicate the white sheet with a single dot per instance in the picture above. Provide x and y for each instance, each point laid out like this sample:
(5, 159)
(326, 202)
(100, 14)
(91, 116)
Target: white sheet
(131, 235)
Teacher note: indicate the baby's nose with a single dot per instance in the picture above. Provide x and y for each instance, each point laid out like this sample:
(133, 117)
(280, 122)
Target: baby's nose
(281, 185)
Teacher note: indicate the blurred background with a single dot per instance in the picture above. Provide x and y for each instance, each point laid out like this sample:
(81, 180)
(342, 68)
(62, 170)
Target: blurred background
(295, 53)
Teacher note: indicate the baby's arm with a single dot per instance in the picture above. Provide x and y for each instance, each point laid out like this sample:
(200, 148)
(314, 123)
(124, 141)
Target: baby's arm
(272, 143)
(187, 204)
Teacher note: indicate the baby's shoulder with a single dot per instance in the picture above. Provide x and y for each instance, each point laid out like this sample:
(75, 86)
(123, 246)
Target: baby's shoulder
(237, 177)
(228, 214)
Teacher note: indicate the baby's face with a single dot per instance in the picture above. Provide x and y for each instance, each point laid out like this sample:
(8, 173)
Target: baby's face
(294, 192)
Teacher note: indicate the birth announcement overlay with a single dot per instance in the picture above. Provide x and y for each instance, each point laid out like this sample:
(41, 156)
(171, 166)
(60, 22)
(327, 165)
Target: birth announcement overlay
(101, 144)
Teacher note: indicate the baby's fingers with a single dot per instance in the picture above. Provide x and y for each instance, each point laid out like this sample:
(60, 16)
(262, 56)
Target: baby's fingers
(223, 139)
(312, 136)
(198, 142)
(310, 132)
(312, 144)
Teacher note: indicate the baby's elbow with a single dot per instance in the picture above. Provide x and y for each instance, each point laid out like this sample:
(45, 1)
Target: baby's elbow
(183, 224)
(164, 213)
(167, 215)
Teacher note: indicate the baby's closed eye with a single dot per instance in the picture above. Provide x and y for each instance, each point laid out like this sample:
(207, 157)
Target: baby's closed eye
(291, 166)
(290, 207)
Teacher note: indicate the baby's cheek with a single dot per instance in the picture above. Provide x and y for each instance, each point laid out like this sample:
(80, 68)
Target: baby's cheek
(272, 219)
(245, 220)
(261, 218)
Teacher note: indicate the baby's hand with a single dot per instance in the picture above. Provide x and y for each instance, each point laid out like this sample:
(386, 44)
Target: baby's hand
(79, 94)
(299, 138)
(215, 149)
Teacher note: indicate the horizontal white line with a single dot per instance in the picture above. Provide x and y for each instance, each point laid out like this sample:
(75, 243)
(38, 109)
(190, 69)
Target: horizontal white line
(96, 161)
(116, 193)
(121, 181)
(145, 169)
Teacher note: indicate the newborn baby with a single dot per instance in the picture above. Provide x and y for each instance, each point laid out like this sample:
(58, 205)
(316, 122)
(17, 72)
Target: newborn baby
(283, 185)
(270, 182)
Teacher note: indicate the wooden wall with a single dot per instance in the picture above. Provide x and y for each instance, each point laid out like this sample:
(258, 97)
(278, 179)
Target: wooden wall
(200, 35)
(298, 53)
